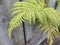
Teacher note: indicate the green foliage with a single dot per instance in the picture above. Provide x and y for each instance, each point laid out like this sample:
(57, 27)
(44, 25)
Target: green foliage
(33, 10)
(58, 2)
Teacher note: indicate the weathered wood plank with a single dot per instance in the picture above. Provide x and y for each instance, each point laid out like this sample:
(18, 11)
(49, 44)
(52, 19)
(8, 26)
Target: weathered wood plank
(5, 15)
(51, 3)
(4, 40)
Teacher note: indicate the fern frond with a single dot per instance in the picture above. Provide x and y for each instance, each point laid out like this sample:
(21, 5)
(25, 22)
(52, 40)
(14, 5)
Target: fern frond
(16, 21)
(51, 16)
(31, 10)
(37, 1)
(39, 16)
(51, 32)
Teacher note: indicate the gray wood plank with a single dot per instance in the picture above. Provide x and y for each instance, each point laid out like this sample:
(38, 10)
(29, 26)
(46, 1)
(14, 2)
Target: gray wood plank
(51, 3)
(4, 40)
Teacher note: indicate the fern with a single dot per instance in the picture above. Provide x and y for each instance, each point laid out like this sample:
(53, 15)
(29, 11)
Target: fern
(32, 10)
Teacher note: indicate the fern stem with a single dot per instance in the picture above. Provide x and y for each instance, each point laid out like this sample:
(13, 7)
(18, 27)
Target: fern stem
(24, 30)
(24, 33)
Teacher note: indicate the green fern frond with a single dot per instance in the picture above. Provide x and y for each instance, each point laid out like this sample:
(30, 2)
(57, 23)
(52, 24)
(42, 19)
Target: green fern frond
(50, 27)
(52, 33)
(33, 10)
(15, 22)
(51, 17)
